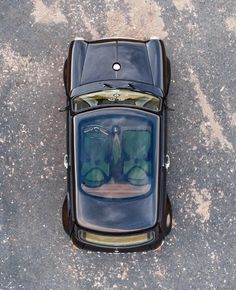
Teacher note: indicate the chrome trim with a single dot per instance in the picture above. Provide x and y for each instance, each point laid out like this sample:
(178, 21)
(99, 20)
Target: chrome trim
(154, 38)
(167, 162)
(116, 66)
(66, 161)
(159, 248)
(122, 38)
(78, 38)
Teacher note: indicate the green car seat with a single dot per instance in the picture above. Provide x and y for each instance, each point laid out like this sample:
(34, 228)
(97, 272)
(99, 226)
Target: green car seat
(95, 169)
(137, 163)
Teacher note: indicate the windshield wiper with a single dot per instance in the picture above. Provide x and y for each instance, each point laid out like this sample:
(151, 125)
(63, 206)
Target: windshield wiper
(107, 85)
(131, 86)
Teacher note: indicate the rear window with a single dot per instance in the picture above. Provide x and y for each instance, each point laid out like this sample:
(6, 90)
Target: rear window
(116, 152)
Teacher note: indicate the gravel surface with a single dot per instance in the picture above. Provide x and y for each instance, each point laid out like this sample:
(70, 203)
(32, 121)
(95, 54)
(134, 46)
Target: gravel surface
(199, 253)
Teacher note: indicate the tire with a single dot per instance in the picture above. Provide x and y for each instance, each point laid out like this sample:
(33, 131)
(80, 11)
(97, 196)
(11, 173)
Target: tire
(65, 76)
(65, 218)
(169, 75)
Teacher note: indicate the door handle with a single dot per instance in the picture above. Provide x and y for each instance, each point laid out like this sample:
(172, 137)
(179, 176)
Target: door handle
(167, 161)
(66, 161)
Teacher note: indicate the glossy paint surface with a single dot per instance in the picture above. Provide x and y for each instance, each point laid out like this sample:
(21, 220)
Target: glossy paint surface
(141, 62)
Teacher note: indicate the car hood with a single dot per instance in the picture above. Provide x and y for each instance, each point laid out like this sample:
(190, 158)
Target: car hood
(93, 62)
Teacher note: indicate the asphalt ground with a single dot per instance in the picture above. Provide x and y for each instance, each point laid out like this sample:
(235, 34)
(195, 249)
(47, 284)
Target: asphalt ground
(199, 36)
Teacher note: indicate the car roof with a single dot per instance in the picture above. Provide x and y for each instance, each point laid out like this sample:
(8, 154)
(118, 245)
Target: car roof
(108, 213)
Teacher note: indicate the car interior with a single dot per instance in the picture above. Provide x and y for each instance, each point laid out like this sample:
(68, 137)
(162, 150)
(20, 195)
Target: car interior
(116, 162)
(118, 97)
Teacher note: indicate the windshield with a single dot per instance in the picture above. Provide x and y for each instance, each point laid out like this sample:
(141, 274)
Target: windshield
(116, 152)
(117, 96)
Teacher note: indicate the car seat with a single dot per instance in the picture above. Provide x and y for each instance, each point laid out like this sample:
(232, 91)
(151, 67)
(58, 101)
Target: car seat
(137, 163)
(95, 169)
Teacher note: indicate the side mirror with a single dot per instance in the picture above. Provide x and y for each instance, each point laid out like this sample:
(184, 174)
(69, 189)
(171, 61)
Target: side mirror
(63, 109)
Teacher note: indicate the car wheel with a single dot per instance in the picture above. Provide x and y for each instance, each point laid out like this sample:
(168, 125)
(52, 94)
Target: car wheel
(65, 75)
(65, 218)
(169, 71)
(169, 75)
(168, 217)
